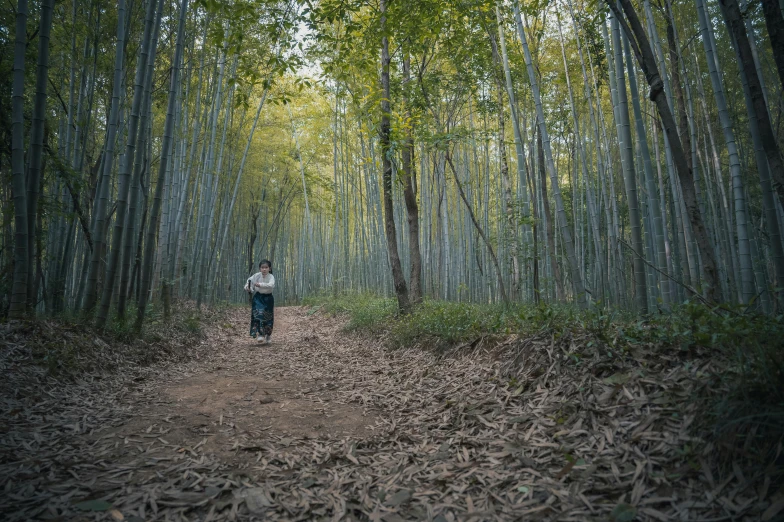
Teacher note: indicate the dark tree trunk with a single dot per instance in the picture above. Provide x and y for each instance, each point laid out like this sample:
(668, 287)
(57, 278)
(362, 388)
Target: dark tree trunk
(65, 264)
(39, 274)
(737, 30)
(18, 303)
(37, 140)
(775, 22)
(137, 261)
(677, 90)
(145, 282)
(401, 290)
(511, 231)
(125, 185)
(253, 235)
(645, 58)
(534, 229)
(409, 194)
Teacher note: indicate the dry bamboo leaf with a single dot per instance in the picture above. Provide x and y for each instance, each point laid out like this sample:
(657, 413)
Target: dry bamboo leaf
(773, 510)
(424, 437)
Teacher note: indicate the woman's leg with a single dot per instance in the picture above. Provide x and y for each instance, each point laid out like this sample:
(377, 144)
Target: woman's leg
(255, 316)
(252, 326)
(268, 316)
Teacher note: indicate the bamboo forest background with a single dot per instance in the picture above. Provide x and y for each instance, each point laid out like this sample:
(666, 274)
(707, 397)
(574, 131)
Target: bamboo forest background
(623, 155)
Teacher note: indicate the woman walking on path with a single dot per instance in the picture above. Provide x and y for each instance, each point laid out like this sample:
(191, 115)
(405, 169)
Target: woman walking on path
(262, 315)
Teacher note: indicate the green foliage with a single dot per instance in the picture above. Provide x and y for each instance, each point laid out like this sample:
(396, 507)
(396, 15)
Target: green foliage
(192, 324)
(366, 312)
(446, 323)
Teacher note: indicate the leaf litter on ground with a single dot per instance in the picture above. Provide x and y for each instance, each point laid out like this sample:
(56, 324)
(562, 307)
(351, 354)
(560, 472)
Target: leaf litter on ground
(491, 430)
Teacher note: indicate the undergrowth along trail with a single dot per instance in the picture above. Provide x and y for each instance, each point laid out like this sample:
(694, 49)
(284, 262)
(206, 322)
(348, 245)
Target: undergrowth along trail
(327, 424)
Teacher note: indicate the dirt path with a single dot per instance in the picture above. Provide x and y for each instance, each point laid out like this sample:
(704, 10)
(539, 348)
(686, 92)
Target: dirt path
(248, 392)
(321, 425)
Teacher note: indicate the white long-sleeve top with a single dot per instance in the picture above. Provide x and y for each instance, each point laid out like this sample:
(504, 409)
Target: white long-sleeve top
(266, 283)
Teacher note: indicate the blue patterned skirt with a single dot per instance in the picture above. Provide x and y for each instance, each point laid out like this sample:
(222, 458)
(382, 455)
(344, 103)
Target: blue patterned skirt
(262, 314)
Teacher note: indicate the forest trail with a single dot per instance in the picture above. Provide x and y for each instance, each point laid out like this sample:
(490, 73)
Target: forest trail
(323, 425)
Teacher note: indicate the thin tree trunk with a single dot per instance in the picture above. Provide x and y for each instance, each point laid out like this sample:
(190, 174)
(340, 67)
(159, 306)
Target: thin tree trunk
(685, 126)
(37, 139)
(224, 231)
(741, 219)
(149, 246)
(629, 174)
(478, 228)
(769, 203)
(555, 272)
(410, 195)
(96, 260)
(401, 290)
(647, 62)
(141, 159)
(657, 231)
(206, 199)
(734, 21)
(592, 217)
(510, 231)
(126, 166)
(566, 233)
(518, 134)
(775, 22)
(18, 305)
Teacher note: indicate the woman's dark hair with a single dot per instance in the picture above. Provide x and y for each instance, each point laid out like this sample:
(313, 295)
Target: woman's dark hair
(266, 262)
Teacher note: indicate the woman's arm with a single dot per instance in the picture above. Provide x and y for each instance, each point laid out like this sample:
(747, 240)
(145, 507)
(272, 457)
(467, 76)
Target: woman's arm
(269, 285)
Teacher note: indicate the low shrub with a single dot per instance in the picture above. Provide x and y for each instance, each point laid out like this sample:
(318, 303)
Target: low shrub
(366, 312)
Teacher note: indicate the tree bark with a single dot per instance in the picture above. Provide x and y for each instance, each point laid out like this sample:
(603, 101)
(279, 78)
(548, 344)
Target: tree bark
(775, 22)
(629, 172)
(409, 195)
(647, 62)
(152, 230)
(401, 290)
(734, 21)
(578, 286)
(127, 165)
(37, 139)
(18, 304)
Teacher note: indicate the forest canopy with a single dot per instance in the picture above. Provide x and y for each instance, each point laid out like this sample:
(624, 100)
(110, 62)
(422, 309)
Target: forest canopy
(622, 155)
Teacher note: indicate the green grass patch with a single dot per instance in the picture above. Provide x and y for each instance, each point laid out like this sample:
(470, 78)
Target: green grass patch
(366, 312)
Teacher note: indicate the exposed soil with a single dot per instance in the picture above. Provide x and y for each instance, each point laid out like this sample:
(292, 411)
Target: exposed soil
(245, 393)
(322, 425)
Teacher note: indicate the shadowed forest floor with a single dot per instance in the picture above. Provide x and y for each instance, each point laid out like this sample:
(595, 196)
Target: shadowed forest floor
(324, 425)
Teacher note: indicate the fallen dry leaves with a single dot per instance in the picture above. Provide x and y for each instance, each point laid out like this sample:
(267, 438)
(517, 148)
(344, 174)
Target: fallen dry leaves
(514, 429)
